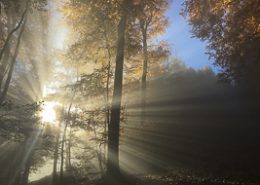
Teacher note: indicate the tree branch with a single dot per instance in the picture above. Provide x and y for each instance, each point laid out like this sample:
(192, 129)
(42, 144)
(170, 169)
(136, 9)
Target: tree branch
(12, 32)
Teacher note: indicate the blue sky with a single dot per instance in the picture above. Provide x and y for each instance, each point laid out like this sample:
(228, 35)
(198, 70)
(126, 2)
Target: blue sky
(190, 50)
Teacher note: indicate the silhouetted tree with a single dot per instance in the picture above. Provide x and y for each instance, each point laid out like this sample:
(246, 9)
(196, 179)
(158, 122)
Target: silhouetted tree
(114, 124)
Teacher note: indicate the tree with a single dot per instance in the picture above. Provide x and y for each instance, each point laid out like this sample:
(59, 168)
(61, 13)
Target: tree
(67, 122)
(16, 23)
(95, 41)
(114, 126)
(233, 35)
(20, 124)
(5, 50)
(152, 22)
(98, 39)
(13, 61)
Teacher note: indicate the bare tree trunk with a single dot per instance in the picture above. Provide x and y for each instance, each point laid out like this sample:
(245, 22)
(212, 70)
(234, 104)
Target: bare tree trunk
(107, 82)
(29, 149)
(107, 117)
(64, 137)
(15, 167)
(98, 152)
(4, 66)
(62, 153)
(9, 36)
(20, 174)
(144, 75)
(26, 172)
(6, 53)
(114, 125)
(107, 91)
(68, 151)
(13, 61)
(55, 161)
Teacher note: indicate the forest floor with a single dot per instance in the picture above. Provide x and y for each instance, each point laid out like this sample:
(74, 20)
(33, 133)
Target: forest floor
(181, 178)
(188, 179)
(170, 178)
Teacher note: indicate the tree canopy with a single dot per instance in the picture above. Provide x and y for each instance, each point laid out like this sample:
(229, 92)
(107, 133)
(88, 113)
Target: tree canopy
(231, 29)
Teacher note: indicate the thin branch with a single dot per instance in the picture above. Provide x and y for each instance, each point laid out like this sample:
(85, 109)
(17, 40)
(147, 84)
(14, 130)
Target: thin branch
(12, 32)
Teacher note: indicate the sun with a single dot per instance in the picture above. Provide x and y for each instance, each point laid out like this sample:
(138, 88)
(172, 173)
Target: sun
(48, 113)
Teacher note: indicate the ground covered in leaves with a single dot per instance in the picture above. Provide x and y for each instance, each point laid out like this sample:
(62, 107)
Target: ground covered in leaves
(187, 179)
(184, 177)
(170, 178)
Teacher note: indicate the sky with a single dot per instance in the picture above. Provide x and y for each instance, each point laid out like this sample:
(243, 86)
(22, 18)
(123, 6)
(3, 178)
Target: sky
(190, 50)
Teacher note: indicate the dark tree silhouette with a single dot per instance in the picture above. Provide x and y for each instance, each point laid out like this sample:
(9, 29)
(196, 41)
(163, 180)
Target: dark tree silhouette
(114, 124)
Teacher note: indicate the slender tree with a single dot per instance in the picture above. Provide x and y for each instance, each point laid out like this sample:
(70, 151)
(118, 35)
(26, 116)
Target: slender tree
(4, 65)
(8, 58)
(12, 64)
(152, 22)
(114, 126)
(63, 142)
(55, 160)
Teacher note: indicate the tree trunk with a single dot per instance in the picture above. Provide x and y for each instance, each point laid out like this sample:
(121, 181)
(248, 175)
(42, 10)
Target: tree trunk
(13, 61)
(29, 150)
(68, 149)
(55, 161)
(62, 153)
(114, 125)
(144, 75)
(9, 36)
(26, 172)
(64, 138)
(4, 66)
(6, 49)
(107, 88)
(20, 173)
(16, 165)
(98, 151)
(107, 118)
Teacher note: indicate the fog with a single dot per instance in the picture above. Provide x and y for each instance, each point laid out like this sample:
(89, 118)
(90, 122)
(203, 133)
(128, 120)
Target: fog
(192, 120)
